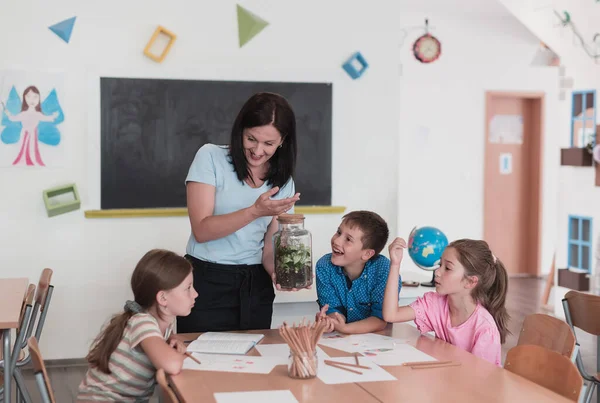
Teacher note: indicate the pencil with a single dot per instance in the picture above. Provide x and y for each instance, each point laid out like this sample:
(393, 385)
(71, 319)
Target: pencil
(192, 357)
(346, 364)
(452, 364)
(420, 363)
(356, 358)
(336, 365)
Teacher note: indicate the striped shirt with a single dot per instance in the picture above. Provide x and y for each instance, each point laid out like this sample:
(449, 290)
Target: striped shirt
(132, 377)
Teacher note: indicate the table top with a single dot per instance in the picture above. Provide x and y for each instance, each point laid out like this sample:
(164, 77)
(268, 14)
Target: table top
(12, 293)
(475, 380)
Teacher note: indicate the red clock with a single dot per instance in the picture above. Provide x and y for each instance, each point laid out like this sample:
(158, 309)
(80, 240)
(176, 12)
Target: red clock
(427, 48)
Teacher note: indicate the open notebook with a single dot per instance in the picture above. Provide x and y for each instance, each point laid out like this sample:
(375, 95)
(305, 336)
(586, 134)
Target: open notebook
(224, 343)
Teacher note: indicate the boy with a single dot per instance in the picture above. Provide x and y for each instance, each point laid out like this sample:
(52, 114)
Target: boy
(351, 279)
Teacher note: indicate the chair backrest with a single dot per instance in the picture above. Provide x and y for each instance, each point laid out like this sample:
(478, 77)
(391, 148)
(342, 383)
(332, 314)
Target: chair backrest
(27, 301)
(167, 393)
(43, 296)
(40, 368)
(549, 332)
(43, 287)
(547, 368)
(584, 311)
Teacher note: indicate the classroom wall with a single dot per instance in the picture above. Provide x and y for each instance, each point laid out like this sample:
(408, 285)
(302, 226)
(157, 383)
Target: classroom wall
(577, 194)
(398, 131)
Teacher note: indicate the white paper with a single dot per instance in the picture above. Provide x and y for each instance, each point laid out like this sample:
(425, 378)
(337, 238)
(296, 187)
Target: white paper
(332, 375)
(231, 336)
(398, 355)
(506, 129)
(506, 163)
(37, 135)
(282, 352)
(224, 343)
(220, 347)
(231, 363)
(279, 396)
(358, 342)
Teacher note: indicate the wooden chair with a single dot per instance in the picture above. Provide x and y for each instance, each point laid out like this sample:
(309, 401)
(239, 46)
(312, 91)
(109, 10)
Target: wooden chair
(583, 311)
(39, 370)
(17, 352)
(546, 368)
(167, 394)
(548, 332)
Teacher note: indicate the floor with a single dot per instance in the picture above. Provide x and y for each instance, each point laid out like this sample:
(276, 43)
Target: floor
(524, 298)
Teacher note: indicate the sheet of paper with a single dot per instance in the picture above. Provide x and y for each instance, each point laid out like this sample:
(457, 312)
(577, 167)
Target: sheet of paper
(279, 396)
(220, 346)
(231, 363)
(397, 355)
(282, 352)
(359, 342)
(231, 336)
(332, 375)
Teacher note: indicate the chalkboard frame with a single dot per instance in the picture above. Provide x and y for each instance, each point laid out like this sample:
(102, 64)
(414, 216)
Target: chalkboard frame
(286, 88)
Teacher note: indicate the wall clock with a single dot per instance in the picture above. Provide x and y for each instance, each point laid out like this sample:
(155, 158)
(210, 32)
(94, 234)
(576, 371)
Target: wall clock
(427, 48)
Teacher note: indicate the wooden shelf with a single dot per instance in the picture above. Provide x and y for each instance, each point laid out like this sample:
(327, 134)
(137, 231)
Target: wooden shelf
(179, 212)
(576, 157)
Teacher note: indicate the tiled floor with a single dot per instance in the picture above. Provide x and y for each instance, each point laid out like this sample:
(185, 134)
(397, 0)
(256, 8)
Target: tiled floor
(523, 299)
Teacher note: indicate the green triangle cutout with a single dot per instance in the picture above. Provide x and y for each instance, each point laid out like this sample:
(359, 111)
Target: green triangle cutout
(249, 25)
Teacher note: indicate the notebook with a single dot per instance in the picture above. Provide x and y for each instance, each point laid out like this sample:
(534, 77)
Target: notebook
(224, 343)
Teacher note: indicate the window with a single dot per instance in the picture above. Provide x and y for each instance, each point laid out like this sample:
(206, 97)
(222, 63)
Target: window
(580, 243)
(583, 118)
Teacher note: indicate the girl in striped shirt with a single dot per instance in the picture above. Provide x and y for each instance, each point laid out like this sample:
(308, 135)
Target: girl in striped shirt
(124, 357)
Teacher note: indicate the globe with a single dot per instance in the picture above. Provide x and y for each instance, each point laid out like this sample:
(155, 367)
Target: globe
(425, 248)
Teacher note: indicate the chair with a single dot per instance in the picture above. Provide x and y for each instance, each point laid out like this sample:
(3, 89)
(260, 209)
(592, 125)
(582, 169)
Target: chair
(43, 295)
(39, 370)
(167, 394)
(546, 368)
(548, 332)
(17, 352)
(583, 311)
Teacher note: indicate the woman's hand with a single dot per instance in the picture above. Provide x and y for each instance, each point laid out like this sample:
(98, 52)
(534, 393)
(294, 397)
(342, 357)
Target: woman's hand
(265, 206)
(278, 286)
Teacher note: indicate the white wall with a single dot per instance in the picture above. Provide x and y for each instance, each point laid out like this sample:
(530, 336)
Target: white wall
(379, 162)
(442, 128)
(577, 194)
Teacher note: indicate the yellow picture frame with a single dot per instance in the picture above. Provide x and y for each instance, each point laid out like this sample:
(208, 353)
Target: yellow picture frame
(160, 30)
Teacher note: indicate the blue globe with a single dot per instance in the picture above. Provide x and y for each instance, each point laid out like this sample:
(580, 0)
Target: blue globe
(425, 247)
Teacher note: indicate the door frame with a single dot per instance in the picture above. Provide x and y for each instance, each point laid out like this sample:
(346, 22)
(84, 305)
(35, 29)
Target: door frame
(535, 260)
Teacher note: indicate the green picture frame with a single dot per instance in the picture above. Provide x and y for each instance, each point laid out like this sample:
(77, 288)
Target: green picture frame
(55, 203)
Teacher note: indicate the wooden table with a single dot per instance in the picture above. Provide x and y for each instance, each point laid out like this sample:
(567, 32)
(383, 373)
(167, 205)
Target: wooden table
(12, 293)
(475, 380)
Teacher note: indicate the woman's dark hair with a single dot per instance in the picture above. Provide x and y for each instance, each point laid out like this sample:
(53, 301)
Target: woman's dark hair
(265, 108)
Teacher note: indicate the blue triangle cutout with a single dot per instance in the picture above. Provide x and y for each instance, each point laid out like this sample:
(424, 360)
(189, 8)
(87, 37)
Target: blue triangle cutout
(64, 28)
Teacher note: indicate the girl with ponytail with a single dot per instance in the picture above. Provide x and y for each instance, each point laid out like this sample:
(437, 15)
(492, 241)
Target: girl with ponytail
(136, 342)
(468, 307)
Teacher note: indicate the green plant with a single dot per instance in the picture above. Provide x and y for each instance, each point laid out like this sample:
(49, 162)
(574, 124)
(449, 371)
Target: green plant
(291, 258)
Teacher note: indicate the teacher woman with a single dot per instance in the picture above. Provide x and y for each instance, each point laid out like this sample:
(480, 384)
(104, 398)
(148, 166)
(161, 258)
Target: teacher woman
(233, 196)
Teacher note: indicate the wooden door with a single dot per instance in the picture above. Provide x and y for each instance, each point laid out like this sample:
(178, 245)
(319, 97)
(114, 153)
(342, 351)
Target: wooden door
(512, 184)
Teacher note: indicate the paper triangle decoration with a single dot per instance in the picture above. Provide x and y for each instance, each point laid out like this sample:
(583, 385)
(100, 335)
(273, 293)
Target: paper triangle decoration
(249, 25)
(63, 29)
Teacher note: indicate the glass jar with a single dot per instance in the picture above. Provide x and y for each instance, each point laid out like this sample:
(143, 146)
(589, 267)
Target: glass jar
(293, 253)
(303, 366)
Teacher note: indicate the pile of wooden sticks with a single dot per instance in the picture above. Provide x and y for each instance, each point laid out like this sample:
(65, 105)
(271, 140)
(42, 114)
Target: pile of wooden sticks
(303, 341)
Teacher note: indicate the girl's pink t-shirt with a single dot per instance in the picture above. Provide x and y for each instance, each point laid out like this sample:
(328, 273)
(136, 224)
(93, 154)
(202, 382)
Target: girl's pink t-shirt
(479, 335)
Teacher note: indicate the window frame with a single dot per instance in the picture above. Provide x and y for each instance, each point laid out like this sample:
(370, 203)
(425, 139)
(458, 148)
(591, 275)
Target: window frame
(579, 242)
(583, 118)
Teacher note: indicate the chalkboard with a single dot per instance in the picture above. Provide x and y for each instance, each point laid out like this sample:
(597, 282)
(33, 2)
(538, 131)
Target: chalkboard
(152, 128)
